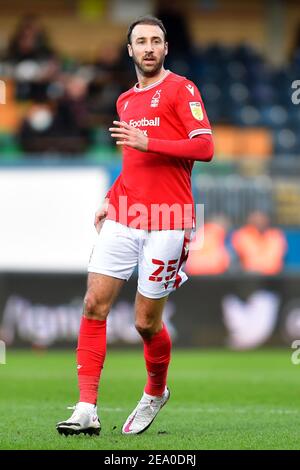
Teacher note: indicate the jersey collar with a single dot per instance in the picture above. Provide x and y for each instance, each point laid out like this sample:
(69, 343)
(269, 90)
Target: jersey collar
(138, 90)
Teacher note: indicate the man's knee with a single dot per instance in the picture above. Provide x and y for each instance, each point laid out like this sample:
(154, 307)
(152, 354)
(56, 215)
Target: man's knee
(146, 328)
(95, 307)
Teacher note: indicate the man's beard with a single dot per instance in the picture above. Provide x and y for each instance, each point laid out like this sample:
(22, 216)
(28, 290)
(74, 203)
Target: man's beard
(149, 73)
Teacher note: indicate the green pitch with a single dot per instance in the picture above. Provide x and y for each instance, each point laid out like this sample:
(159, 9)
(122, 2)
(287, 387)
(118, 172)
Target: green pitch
(219, 400)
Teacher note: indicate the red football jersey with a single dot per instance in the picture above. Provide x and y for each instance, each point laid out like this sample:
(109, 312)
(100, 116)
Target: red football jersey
(153, 191)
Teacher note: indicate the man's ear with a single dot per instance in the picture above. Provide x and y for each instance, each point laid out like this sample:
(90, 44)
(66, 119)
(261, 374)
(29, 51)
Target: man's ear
(129, 50)
(166, 48)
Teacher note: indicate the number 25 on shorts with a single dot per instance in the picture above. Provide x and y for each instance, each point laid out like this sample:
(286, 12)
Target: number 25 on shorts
(171, 269)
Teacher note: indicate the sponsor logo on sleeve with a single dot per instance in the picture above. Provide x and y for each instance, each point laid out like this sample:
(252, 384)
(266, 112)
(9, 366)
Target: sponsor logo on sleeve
(196, 110)
(190, 88)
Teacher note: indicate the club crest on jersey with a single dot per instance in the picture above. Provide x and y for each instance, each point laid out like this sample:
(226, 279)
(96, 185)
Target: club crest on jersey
(155, 99)
(196, 110)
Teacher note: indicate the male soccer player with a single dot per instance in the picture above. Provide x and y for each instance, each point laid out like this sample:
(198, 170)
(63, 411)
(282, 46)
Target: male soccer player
(146, 220)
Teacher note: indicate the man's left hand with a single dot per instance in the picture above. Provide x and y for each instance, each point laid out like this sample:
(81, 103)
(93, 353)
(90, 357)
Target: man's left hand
(129, 135)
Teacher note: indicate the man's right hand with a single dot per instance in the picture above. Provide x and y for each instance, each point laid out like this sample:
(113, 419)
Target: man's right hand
(101, 214)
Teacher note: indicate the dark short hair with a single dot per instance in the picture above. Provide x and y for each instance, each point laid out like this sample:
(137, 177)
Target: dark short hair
(146, 20)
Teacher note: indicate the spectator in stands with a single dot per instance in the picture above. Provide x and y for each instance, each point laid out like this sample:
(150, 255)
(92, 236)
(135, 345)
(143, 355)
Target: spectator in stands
(213, 257)
(110, 77)
(60, 126)
(108, 83)
(29, 41)
(260, 248)
(35, 62)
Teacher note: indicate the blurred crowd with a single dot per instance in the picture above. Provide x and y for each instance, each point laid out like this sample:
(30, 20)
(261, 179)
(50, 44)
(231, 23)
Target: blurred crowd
(256, 247)
(58, 104)
(63, 102)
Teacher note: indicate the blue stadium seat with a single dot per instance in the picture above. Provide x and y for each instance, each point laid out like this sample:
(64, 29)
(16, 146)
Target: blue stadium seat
(286, 142)
(247, 115)
(274, 116)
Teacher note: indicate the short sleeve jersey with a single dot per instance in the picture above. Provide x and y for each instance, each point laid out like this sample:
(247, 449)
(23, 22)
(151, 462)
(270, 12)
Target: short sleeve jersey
(170, 109)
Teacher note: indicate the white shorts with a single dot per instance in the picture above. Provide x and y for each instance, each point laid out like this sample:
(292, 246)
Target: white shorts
(159, 255)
